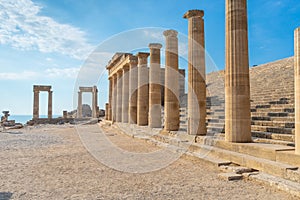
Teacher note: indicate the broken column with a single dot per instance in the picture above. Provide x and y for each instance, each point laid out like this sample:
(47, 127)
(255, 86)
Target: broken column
(133, 88)
(237, 84)
(171, 82)
(119, 96)
(297, 89)
(155, 86)
(196, 73)
(143, 90)
(125, 96)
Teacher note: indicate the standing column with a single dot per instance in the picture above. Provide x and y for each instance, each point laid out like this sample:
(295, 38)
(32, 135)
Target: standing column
(171, 82)
(237, 84)
(94, 102)
(36, 96)
(133, 90)
(109, 112)
(106, 111)
(143, 90)
(119, 96)
(297, 89)
(155, 86)
(50, 93)
(125, 96)
(196, 73)
(79, 107)
(114, 98)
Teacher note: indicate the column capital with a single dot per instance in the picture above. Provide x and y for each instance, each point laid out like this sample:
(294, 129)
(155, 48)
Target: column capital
(142, 55)
(170, 33)
(193, 13)
(155, 46)
(125, 68)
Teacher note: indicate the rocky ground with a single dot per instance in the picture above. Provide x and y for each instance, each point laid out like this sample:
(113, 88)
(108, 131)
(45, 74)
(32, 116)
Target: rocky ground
(50, 162)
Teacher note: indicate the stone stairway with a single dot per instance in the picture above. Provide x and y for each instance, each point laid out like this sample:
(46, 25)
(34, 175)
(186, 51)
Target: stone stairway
(272, 101)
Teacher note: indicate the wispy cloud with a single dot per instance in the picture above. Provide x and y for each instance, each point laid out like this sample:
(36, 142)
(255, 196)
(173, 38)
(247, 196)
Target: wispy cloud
(22, 27)
(53, 73)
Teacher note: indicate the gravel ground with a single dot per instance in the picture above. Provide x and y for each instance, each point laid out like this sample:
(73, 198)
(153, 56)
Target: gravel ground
(50, 162)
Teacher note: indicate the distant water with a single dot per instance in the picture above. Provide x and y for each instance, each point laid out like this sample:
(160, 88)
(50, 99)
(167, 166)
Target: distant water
(24, 118)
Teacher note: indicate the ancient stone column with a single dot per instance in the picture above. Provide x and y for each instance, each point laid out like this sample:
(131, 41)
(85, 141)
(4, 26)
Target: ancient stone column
(50, 93)
(143, 90)
(94, 101)
(133, 89)
(125, 96)
(119, 96)
(196, 73)
(297, 89)
(237, 84)
(155, 86)
(36, 96)
(171, 82)
(106, 111)
(114, 97)
(109, 111)
(79, 107)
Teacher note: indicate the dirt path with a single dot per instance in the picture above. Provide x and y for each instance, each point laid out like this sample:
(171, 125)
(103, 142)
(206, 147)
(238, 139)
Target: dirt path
(51, 163)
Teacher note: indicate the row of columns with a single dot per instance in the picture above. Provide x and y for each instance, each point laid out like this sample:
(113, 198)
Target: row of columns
(135, 90)
(237, 82)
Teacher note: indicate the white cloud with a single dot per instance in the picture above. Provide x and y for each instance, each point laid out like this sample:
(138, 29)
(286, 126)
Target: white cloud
(26, 75)
(23, 28)
(48, 73)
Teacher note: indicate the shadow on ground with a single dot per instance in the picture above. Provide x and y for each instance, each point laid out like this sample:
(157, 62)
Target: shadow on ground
(5, 195)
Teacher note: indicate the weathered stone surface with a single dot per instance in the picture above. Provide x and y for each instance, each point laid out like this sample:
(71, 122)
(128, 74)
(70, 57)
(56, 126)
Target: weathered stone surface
(297, 89)
(36, 91)
(237, 84)
(196, 73)
(155, 86)
(171, 82)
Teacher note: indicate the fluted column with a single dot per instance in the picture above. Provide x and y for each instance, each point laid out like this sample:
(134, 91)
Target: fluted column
(79, 107)
(106, 111)
(125, 96)
(50, 93)
(119, 96)
(133, 90)
(171, 82)
(196, 73)
(237, 85)
(114, 97)
(143, 90)
(109, 111)
(36, 96)
(155, 86)
(297, 89)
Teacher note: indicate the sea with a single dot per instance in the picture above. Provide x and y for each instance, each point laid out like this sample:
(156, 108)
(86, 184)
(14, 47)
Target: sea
(25, 118)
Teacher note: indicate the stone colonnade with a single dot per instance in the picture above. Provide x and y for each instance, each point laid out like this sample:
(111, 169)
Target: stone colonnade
(36, 100)
(94, 92)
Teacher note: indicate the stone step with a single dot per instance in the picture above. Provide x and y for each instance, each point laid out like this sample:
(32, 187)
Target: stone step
(272, 129)
(268, 135)
(272, 114)
(275, 110)
(274, 123)
(262, 164)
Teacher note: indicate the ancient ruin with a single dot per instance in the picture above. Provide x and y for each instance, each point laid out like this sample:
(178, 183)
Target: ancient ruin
(297, 89)
(94, 92)
(237, 83)
(36, 102)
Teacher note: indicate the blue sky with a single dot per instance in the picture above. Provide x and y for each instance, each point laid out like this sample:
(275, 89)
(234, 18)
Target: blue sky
(46, 42)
